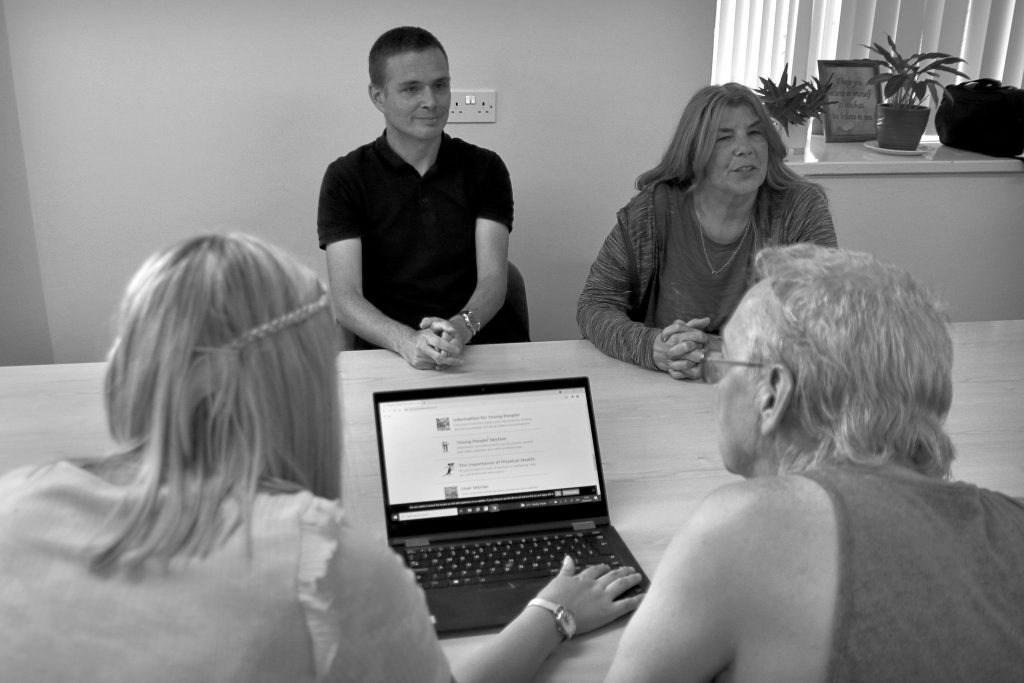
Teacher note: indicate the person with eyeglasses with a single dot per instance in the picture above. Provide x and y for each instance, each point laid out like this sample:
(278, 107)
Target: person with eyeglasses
(677, 262)
(848, 553)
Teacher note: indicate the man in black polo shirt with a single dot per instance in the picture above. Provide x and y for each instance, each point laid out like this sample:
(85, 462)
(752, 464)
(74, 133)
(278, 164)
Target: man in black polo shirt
(416, 223)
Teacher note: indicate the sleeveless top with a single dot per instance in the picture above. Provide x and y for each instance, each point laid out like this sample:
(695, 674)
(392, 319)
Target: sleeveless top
(931, 578)
(316, 599)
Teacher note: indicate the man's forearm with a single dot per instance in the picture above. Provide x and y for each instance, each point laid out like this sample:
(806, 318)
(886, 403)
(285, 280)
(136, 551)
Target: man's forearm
(485, 302)
(360, 317)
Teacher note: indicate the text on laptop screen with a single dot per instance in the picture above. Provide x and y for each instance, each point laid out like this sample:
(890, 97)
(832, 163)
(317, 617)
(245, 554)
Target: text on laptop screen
(454, 455)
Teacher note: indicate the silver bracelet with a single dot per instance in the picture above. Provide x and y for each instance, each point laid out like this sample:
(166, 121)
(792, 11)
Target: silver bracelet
(471, 321)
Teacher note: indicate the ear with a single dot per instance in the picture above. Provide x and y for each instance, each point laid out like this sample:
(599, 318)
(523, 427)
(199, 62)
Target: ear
(376, 96)
(773, 398)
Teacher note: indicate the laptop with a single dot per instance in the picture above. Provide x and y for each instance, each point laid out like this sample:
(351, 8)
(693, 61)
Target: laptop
(490, 464)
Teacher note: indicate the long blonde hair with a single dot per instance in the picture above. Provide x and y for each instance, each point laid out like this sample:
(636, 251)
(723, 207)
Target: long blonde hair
(221, 383)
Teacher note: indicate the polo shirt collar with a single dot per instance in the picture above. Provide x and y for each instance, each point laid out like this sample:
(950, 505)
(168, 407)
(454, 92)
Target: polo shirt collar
(390, 157)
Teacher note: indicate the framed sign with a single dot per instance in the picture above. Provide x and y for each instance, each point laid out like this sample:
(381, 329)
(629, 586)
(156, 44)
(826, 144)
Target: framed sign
(852, 117)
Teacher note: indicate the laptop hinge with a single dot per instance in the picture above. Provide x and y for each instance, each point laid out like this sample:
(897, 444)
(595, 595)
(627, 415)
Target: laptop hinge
(583, 526)
(417, 543)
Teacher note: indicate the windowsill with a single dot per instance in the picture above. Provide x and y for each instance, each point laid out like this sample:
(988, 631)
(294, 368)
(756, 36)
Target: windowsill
(853, 158)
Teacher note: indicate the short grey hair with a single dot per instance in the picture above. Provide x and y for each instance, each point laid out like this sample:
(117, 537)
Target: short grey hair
(871, 357)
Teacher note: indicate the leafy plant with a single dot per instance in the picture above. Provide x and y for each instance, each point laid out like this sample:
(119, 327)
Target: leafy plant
(908, 80)
(793, 103)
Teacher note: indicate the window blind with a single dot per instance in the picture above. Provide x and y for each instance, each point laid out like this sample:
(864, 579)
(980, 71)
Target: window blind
(756, 38)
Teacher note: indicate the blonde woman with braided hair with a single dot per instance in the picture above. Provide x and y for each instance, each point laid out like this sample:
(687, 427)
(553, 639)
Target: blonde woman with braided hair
(211, 545)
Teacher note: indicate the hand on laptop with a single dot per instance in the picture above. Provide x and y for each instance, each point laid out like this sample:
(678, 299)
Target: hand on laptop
(591, 594)
(517, 652)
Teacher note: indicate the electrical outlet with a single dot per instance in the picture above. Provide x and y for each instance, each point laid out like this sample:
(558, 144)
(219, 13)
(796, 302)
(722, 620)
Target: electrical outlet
(473, 106)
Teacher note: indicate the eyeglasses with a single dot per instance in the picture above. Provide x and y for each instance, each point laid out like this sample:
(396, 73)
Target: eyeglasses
(712, 368)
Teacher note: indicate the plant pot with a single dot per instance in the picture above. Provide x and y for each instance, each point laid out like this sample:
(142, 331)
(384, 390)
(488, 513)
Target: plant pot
(795, 140)
(901, 128)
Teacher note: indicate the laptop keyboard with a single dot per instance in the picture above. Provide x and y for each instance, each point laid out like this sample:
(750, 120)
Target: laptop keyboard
(507, 559)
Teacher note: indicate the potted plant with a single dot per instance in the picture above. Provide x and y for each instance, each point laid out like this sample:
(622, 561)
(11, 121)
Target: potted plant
(793, 104)
(903, 115)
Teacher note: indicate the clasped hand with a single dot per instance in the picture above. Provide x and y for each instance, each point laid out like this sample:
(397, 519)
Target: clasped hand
(435, 346)
(680, 347)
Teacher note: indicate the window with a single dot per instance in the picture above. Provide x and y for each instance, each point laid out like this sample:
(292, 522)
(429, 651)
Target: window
(757, 37)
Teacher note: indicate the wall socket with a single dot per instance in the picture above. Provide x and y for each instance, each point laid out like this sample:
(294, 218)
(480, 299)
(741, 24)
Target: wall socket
(473, 106)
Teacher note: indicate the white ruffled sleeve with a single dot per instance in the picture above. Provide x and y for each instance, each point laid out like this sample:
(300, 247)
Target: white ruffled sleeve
(366, 616)
(320, 525)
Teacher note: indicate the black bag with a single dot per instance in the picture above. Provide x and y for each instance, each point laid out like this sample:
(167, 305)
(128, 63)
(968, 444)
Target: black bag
(982, 116)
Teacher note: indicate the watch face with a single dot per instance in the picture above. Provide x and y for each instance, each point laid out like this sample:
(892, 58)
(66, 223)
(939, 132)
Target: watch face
(566, 622)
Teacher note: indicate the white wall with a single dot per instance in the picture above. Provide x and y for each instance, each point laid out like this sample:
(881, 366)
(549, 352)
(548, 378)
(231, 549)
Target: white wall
(145, 121)
(961, 235)
(24, 334)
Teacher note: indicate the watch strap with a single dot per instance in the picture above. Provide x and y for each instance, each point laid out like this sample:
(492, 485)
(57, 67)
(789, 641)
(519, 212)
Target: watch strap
(556, 611)
(471, 321)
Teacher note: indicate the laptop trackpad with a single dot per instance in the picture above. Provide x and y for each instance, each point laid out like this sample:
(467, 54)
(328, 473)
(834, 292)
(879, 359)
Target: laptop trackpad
(482, 606)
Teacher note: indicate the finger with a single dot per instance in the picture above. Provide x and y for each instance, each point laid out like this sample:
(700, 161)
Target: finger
(682, 348)
(594, 571)
(688, 360)
(434, 344)
(681, 364)
(619, 573)
(444, 353)
(449, 342)
(621, 580)
(441, 326)
(694, 336)
(442, 357)
(448, 361)
(688, 373)
(675, 328)
(623, 606)
(698, 323)
(568, 566)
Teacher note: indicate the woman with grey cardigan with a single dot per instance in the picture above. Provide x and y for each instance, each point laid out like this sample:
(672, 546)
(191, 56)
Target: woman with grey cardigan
(677, 262)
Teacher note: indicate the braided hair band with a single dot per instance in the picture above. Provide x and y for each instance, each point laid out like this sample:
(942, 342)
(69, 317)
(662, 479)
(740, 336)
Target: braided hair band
(271, 327)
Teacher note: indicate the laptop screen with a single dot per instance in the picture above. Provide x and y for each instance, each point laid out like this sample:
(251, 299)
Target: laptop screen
(486, 456)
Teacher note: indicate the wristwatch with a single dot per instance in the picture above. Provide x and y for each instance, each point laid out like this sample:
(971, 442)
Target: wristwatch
(472, 322)
(565, 622)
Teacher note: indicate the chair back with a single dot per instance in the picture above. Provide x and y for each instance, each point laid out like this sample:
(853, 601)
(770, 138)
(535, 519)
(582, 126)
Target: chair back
(515, 296)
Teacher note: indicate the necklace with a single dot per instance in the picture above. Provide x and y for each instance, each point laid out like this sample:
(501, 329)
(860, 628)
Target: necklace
(703, 246)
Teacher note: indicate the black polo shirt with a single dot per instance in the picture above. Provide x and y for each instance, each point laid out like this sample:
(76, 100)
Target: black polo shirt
(418, 233)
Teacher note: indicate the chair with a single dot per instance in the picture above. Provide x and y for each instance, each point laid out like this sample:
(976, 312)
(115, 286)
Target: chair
(515, 296)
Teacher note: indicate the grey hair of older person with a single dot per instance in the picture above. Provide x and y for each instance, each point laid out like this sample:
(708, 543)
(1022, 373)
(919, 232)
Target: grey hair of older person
(221, 383)
(689, 153)
(871, 357)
